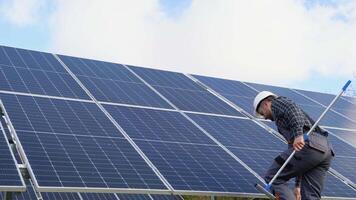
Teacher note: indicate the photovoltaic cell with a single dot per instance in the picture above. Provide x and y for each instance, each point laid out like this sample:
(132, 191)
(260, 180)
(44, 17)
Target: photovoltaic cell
(168, 79)
(89, 153)
(166, 197)
(10, 179)
(133, 197)
(96, 196)
(183, 92)
(60, 196)
(37, 73)
(113, 82)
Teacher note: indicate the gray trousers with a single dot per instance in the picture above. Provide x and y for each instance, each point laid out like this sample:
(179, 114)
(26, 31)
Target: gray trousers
(309, 164)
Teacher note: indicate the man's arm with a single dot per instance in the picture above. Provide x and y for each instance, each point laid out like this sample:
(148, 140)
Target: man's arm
(296, 121)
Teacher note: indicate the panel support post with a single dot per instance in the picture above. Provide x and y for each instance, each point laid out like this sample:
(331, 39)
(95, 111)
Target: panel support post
(8, 196)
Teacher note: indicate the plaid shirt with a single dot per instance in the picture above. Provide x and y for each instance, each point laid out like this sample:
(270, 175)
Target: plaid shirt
(291, 121)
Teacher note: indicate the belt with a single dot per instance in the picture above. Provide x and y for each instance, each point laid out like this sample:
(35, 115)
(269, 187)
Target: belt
(306, 138)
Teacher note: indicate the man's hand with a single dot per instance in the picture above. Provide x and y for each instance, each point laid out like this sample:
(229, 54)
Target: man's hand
(298, 143)
(297, 193)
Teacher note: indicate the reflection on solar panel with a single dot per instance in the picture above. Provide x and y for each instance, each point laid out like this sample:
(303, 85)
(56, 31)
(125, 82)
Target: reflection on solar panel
(10, 179)
(349, 136)
(112, 82)
(37, 73)
(183, 92)
(87, 152)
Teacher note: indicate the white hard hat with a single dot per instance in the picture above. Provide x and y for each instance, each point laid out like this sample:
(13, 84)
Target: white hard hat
(259, 98)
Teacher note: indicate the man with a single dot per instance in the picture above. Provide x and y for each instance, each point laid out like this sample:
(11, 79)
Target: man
(312, 160)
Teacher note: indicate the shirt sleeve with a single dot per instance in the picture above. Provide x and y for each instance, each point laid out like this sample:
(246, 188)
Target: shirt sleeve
(295, 119)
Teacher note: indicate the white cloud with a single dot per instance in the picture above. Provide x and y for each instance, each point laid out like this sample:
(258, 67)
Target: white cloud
(21, 12)
(277, 41)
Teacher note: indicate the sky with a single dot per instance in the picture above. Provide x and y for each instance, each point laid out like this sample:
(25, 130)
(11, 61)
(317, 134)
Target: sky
(305, 44)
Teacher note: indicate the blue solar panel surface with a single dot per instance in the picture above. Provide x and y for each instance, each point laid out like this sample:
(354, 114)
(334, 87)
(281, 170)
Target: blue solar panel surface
(149, 124)
(9, 174)
(346, 135)
(113, 83)
(256, 147)
(198, 167)
(90, 152)
(96, 196)
(342, 106)
(235, 91)
(187, 158)
(37, 73)
(183, 92)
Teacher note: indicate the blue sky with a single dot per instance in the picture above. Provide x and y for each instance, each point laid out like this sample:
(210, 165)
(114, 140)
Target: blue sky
(40, 33)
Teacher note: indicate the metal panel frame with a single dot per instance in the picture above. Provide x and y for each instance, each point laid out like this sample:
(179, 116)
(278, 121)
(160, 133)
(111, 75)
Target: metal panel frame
(12, 188)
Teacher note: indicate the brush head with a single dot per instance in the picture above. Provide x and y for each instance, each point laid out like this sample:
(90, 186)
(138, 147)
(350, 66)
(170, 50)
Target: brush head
(264, 191)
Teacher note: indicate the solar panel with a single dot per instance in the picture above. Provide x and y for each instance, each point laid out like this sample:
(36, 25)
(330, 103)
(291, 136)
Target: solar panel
(236, 132)
(168, 79)
(227, 87)
(88, 154)
(346, 135)
(256, 147)
(331, 119)
(187, 158)
(10, 178)
(342, 106)
(150, 124)
(71, 145)
(37, 73)
(111, 82)
(195, 167)
(183, 92)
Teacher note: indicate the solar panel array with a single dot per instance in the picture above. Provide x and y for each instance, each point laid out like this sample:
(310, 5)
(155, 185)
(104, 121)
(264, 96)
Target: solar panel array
(90, 126)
